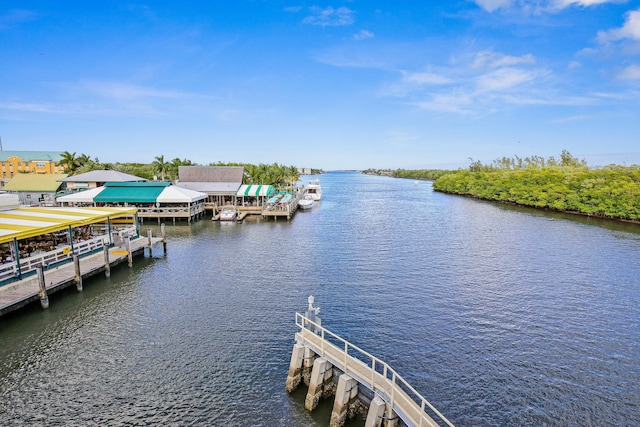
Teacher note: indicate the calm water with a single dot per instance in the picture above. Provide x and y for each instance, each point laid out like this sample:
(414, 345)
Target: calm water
(497, 315)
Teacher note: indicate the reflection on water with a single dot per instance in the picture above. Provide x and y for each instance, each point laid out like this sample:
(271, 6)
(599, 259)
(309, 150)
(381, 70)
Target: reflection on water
(497, 315)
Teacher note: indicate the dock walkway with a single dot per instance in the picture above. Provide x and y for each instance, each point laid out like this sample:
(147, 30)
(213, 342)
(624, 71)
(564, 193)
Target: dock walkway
(22, 292)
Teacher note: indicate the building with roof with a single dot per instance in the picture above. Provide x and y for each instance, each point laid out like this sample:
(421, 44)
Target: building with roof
(13, 163)
(35, 189)
(97, 178)
(219, 183)
(152, 198)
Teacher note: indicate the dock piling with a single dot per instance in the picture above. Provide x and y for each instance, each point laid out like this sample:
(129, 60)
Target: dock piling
(320, 374)
(376, 412)
(346, 392)
(163, 232)
(44, 298)
(150, 244)
(78, 278)
(129, 254)
(107, 265)
(295, 368)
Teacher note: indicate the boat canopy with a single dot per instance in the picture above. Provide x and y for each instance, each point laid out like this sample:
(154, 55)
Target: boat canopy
(255, 190)
(23, 223)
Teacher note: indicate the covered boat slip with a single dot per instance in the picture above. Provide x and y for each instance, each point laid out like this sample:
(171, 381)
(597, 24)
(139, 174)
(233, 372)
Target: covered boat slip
(30, 237)
(153, 199)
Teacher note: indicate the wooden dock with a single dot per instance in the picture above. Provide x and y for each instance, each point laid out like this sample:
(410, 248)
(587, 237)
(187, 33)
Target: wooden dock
(19, 293)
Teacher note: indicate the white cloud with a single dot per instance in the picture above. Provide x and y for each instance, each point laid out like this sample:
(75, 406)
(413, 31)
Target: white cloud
(124, 90)
(538, 5)
(16, 16)
(630, 29)
(631, 72)
(503, 79)
(330, 17)
(489, 59)
(363, 35)
(425, 78)
(491, 5)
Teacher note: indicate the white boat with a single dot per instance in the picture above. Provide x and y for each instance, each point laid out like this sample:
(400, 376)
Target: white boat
(228, 213)
(314, 189)
(307, 202)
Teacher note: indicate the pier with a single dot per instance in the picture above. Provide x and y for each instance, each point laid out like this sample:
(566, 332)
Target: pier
(72, 271)
(319, 356)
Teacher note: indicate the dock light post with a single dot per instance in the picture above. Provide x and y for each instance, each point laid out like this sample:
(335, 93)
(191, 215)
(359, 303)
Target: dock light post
(312, 313)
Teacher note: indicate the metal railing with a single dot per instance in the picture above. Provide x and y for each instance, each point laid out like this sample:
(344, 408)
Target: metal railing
(63, 253)
(371, 372)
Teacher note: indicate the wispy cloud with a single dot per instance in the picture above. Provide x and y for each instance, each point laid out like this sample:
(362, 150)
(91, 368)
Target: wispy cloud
(329, 17)
(632, 72)
(630, 29)
(16, 16)
(539, 6)
(363, 35)
(123, 91)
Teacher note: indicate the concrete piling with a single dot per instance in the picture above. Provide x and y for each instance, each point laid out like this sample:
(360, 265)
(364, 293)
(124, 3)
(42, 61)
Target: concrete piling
(376, 412)
(149, 244)
(391, 418)
(346, 392)
(307, 366)
(44, 298)
(320, 375)
(107, 265)
(295, 368)
(130, 255)
(78, 277)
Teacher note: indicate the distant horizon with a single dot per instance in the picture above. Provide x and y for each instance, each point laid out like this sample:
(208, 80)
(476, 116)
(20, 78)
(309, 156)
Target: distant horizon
(345, 85)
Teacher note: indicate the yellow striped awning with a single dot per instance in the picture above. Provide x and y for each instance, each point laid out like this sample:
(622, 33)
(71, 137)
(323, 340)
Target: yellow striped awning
(22, 223)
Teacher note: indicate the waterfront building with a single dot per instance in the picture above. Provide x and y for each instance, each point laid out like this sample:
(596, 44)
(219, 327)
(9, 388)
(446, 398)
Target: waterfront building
(97, 178)
(13, 163)
(35, 189)
(152, 198)
(219, 183)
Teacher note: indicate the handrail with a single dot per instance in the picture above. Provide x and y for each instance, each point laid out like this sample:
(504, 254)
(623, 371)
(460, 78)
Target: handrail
(376, 363)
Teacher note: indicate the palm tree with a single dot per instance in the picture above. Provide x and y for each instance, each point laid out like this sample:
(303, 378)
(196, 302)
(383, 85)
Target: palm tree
(160, 166)
(68, 160)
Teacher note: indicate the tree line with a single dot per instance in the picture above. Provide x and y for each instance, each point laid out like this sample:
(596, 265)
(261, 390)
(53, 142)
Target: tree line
(280, 176)
(564, 184)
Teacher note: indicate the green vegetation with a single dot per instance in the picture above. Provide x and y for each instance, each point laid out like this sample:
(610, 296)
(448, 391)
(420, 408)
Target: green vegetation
(424, 174)
(565, 184)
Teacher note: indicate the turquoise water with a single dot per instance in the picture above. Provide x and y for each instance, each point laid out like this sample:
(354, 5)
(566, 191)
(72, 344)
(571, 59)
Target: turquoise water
(497, 315)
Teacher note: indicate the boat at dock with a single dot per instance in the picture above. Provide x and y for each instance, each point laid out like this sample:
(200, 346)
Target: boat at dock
(228, 213)
(306, 202)
(314, 189)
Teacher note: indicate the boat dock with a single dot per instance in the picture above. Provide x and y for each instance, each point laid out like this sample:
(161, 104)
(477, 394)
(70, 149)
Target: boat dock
(43, 281)
(319, 356)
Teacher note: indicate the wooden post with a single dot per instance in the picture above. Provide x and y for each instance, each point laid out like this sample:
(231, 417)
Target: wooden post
(107, 265)
(78, 278)
(149, 239)
(129, 254)
(44, 298)
(163, 232)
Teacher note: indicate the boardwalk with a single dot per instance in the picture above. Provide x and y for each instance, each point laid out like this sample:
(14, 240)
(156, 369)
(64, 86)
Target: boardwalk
(22, 292)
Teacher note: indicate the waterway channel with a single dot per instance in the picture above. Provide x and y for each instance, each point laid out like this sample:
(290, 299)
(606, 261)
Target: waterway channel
(498, 315)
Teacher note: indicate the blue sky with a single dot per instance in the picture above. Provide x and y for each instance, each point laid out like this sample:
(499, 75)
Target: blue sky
(338, 85)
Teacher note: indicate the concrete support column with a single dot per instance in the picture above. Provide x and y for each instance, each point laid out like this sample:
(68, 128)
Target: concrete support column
(107, 265)
(320, 374)
(44, 298)
(129, 254)
(309, 357)
(295, 368)
(346, 392)
(376, 412)
(78, 277)
(149, 242)
(391, 418)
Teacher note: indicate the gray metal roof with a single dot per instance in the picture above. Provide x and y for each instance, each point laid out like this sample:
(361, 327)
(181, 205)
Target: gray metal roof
(212, 188)
(210, 174)
(103, 176)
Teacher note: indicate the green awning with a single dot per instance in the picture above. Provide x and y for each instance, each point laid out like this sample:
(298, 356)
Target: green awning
(130, 192)
(255, 190)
